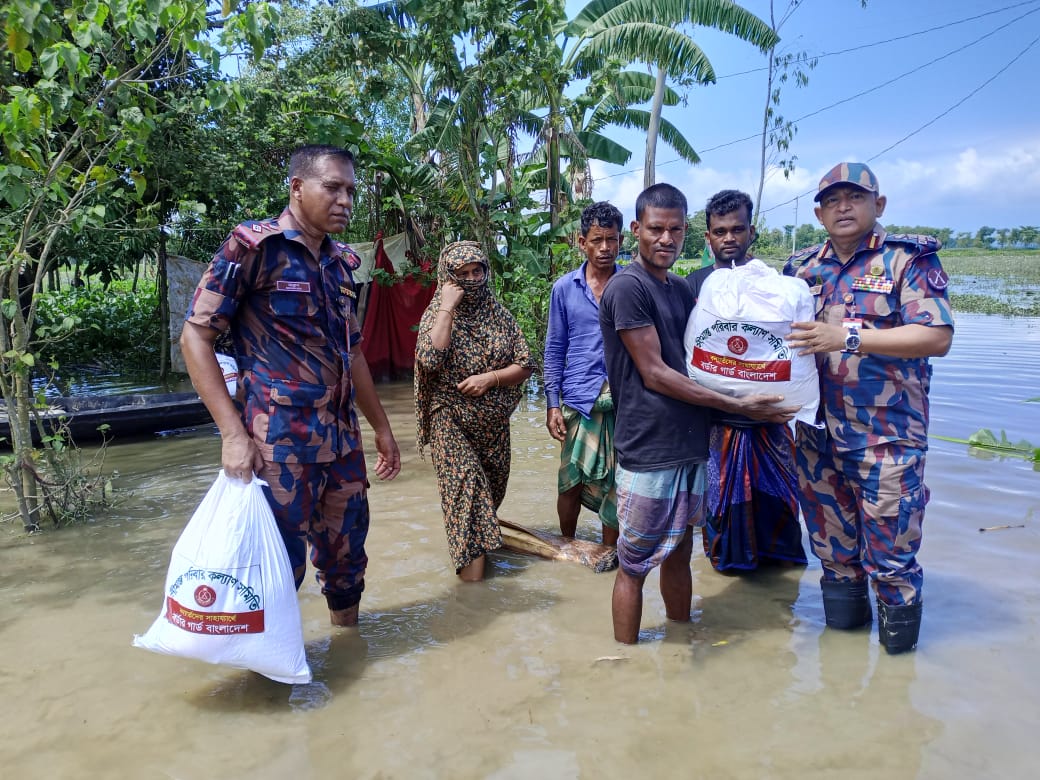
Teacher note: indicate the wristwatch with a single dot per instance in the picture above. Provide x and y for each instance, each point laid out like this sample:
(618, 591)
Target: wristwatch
(852, 340)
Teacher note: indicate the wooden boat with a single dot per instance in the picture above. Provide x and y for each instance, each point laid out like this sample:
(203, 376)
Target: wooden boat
(598, 557)
(133, 415)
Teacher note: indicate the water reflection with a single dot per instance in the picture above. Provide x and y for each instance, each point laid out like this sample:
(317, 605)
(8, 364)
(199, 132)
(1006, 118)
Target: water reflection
(520, 676)
(92, 381)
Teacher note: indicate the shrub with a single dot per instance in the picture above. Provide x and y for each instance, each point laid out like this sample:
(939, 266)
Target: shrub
(113, 328)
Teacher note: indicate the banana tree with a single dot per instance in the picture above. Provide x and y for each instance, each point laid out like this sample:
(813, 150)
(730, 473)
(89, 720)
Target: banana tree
(649, 32)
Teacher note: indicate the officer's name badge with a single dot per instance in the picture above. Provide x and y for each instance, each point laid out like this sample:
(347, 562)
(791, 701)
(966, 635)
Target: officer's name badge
(872, 284)
(283, 285)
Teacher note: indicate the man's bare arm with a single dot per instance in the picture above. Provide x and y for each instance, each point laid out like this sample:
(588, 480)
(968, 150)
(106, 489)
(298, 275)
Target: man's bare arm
(388, 455)
(644, 347)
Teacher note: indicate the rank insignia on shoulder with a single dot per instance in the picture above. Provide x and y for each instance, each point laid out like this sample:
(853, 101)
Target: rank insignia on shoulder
(802, 254)
(344, 290)
(926, 243)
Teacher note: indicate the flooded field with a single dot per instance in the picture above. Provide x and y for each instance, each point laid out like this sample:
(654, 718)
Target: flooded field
(519, 677)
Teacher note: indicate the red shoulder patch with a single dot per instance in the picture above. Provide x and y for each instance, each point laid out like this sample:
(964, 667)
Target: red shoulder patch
(352, 258)
(251, 234)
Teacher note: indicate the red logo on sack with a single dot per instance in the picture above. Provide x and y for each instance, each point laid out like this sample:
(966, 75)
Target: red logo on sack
(735, 368)
(737, 345)
(205, 596)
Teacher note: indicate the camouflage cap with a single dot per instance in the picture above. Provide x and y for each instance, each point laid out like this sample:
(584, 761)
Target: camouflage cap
(856, 174)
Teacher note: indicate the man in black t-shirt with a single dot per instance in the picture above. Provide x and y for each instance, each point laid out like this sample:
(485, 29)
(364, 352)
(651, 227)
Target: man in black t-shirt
(661, 433)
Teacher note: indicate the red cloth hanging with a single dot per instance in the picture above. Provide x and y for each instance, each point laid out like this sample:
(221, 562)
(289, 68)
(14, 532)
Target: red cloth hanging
(391, 317)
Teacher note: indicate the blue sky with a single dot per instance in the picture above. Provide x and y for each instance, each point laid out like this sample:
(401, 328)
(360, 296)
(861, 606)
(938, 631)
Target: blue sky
(965, 94)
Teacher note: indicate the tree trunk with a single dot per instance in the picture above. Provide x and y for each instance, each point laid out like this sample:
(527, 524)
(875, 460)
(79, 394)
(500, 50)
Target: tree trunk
(650, 161)
(418, 111)
(21, 433)
(552, 173)
(764, 145)
(18, 399)
(162, 285)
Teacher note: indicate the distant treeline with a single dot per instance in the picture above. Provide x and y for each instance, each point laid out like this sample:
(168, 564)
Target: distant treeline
(1025, 237)
(776, 242)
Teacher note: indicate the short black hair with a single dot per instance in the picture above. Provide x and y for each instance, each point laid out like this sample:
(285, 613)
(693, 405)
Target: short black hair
(304, 158)
(601, 214)
(726, 202)
(660, 196)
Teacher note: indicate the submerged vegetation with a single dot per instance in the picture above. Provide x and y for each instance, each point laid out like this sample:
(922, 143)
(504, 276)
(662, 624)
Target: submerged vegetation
(985, 442)
(982, 281)
(994, 282)
(116, 327)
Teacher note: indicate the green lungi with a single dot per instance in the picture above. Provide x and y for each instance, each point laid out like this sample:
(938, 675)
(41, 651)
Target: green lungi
(587, 458)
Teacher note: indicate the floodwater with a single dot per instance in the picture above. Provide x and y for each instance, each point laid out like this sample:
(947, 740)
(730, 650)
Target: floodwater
(519, 677)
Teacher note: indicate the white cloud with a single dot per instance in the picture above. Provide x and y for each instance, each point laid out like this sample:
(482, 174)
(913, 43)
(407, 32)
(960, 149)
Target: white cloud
(966, 188)
(962, 188)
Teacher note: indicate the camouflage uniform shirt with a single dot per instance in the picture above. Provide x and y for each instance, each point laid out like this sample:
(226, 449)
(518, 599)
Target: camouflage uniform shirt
(293, 323)
(891, 280)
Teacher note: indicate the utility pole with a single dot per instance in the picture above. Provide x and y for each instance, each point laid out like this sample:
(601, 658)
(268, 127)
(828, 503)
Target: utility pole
(794, 233)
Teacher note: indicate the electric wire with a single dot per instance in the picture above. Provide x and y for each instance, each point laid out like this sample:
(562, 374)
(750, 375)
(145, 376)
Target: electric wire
(882, 85)
(930, 122)
(896, 39)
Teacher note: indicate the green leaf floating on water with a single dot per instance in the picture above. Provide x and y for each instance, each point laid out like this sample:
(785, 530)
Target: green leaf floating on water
(985, 439)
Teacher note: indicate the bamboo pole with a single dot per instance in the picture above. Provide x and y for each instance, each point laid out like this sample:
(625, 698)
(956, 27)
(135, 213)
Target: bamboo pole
(554, 547)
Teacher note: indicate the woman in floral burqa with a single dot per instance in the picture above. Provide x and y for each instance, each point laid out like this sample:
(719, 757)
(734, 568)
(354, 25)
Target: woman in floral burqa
(471, 360)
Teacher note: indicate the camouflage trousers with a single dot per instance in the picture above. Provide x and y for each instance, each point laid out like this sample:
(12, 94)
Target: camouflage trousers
(325, 504)
(864, 511)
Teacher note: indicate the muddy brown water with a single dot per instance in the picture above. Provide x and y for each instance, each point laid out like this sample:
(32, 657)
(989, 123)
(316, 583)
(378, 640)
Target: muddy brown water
(519, 677)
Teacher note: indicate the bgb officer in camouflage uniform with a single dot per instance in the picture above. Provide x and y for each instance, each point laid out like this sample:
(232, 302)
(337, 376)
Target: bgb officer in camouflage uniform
(882, 311)
(284, 289)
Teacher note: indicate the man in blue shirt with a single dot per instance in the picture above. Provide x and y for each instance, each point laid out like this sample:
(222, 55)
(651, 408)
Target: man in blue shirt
(574, 370)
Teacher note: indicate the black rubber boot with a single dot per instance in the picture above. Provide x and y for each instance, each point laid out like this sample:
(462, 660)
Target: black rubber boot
(845, 604)
(899, 626)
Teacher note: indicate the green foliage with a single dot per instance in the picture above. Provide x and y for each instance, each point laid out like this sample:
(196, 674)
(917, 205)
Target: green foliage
(970, 303)
(1015, 267)
(73, 486)
(984, 440)
(409, 270)
(693, 244)
(114, 328)
(85, 84)
(524, 291)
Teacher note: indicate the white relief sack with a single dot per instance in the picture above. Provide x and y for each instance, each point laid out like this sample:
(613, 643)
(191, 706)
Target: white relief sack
(230, 596)
(229, 368)
(735, 336)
